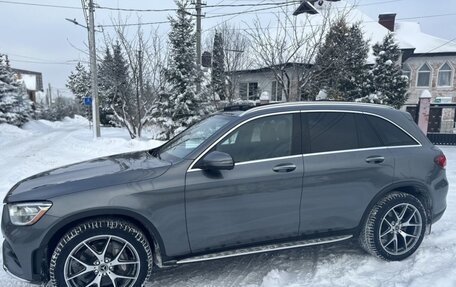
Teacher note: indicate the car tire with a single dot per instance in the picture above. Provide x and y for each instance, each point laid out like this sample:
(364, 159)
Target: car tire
(126, 252)
(395, 227)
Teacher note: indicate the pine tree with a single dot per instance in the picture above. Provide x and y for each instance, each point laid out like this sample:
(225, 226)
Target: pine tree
(181, 106)
(218, 80)
(340, 67)
(79, 83)
(105, 87)
(115, 88)
(390, 86)
(15, 107)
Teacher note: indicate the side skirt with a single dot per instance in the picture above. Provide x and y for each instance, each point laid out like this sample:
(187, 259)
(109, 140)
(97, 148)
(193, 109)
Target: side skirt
(265, 248)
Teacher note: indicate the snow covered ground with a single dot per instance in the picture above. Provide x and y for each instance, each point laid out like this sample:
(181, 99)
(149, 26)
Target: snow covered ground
(42, 145)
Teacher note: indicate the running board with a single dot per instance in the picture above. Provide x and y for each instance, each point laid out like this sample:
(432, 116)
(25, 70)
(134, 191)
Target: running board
(265, 248)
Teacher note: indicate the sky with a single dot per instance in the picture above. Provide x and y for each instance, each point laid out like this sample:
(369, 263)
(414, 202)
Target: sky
(40, 39)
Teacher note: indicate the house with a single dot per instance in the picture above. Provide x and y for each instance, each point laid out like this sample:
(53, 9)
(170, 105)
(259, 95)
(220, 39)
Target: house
(33, 82)
(428, 61)
(430, 65)
(250, 84)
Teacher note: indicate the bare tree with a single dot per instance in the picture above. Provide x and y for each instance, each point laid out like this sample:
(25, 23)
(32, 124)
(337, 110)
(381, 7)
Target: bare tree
(145, 58)
(288, 46)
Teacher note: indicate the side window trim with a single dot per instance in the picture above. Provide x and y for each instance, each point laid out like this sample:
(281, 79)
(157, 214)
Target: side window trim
(221, 138)
(306, 147)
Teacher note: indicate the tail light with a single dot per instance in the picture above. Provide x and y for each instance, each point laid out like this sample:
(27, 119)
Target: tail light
(441, 161)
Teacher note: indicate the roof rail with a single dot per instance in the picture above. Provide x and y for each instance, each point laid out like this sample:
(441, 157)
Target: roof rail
(240, 107)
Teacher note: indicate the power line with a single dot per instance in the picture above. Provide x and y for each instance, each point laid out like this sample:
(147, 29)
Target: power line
(42, 62)
(137, 10)
(40, 5)
(208, 17)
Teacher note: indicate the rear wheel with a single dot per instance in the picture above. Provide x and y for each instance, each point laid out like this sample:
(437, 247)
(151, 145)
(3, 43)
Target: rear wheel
(101, 253)
(395, 227)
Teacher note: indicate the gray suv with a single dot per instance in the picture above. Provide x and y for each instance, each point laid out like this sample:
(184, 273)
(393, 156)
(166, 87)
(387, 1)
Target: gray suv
(241, 181)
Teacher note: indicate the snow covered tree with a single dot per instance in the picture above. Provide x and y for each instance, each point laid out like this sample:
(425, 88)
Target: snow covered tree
(218, 81)
(181, 106)
(15, 107)
(390, 86)
(340, 65)
(79, 83)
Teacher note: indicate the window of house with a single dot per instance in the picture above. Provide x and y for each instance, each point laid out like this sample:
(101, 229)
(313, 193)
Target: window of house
(253, 91)
(424, 76)
(406, 71)
(267, 137)
(445, 75)
(243, 88)
(330, 131)
(276, 91)
(390, 134)
(249, 91)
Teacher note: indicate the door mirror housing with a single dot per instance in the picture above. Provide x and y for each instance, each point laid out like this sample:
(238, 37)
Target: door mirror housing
(217, 160)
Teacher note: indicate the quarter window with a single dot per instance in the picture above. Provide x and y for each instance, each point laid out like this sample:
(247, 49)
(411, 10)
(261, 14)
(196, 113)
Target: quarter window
(390, 134)
(424, 76)
(445, 75)
(263, 138)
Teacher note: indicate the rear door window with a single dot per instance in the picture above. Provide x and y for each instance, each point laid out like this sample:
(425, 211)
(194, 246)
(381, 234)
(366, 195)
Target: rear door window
(367, 135)
(330, 131)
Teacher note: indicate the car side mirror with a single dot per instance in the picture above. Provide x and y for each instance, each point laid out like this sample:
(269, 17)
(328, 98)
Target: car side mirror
(217, 160)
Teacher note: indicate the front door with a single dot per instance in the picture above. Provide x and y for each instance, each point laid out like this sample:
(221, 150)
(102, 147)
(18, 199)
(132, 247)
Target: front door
(256, 201)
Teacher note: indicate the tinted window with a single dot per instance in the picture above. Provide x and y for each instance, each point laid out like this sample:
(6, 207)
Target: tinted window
(262, 138)
(390, 134)
(367, 136)
(330, 132)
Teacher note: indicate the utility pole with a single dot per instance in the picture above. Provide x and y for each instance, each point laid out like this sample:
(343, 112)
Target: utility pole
(50, 94)
(198, 42)
(93, 70)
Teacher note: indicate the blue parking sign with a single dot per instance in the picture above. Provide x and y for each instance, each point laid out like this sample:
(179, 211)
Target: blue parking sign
(88, 101)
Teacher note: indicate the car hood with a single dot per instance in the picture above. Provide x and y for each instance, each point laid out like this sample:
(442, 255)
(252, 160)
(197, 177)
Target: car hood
(97, 173)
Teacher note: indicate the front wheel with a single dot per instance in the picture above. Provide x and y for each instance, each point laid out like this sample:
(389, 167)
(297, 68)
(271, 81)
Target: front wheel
(101, 253)
(395, 227)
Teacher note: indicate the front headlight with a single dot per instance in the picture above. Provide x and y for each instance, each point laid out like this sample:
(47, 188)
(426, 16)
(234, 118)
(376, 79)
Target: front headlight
(27, 213)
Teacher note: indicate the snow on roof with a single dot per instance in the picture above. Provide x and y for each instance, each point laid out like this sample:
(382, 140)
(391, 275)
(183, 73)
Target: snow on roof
(422, 42)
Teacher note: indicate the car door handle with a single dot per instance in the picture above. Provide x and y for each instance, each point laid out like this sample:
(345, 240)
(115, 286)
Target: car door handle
(375, 159)
(285, 167)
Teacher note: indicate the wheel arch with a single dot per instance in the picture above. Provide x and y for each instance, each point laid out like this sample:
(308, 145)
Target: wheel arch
(415, 188)
(53, 236)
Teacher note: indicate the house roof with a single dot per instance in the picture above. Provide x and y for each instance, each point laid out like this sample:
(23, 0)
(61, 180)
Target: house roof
(422, 42)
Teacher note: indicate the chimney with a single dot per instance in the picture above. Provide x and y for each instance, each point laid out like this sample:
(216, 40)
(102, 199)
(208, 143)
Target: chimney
(387, 20)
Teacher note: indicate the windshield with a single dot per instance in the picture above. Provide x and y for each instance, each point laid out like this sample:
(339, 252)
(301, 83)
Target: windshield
(185, 142)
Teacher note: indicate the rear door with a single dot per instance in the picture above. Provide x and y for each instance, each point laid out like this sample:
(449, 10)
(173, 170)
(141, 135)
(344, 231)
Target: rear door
(256, 201)
(345, 165)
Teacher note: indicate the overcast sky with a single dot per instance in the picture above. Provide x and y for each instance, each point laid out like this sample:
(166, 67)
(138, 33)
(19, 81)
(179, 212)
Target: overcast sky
(39, 38)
